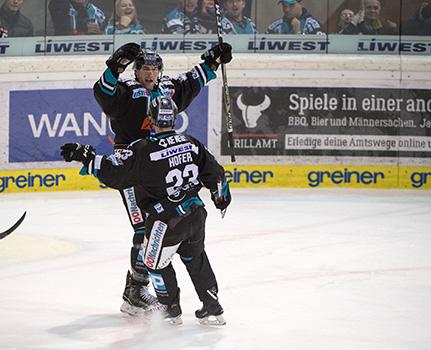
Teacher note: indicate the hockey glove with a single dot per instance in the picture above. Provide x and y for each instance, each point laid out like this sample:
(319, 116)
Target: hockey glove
(221, 197)
(221, 53)
(75, 151)
(121, 58)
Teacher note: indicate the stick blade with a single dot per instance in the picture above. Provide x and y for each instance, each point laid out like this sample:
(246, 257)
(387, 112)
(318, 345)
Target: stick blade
(14, 227)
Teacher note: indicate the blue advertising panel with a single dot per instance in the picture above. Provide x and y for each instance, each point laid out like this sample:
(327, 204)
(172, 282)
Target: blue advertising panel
(40, 121)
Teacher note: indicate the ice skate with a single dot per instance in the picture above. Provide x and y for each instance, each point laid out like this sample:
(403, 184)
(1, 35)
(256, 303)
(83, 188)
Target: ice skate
(170, 313)
(137, 297)
(211, 314)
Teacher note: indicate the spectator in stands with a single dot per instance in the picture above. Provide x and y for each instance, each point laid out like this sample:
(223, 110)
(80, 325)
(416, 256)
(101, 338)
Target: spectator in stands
(345, 18)
(234, 21)
(296, 20)
(12, 22)
(182, 20)
(124, 20)
(207, 23)
(420, 24)
(72, 17)
(368, 22)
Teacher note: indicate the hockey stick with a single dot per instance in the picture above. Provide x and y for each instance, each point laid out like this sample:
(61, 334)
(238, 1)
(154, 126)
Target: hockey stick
(225, 86)
(13, 228)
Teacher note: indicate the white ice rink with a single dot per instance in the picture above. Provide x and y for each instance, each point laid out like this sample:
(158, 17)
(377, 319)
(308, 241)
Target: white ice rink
(297, 269)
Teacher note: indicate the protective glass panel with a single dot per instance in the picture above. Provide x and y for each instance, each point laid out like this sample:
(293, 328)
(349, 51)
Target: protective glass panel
(21, 19)
(62, 27)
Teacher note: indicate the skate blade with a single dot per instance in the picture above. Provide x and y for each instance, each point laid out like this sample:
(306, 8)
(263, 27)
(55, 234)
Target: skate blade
(212, 321)
(157, 315)
(131, 310)
(175, 321)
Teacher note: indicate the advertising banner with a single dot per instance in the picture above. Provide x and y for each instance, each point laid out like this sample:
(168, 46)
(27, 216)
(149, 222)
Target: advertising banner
(239, 176)
(259, 43)
(329, 176)
(106, 44)
(40, 121)
(178, 43)
(283, 43)
(45, 180)
(67, 45)
(309, 121)
(379, 44)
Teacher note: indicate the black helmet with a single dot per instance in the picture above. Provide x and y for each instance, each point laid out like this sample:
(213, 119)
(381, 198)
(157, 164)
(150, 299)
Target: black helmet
(148, 57)
(163, 111)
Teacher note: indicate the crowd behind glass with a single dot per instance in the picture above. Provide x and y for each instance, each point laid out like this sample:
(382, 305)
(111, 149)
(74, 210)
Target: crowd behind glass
(26, 18)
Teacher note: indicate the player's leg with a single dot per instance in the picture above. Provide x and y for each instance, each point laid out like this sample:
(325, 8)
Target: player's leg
(195, 259)
(168, 294)
(136, 297)
(160, 246)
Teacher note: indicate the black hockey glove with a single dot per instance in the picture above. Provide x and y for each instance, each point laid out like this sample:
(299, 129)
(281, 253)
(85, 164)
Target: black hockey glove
(121, 58)
(221, 197)
(78, 152)
(221, 53)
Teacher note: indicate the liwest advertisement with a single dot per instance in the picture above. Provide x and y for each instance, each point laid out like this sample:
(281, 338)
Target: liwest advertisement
(310, 121)
(260, 43)
(250, 176)
(40, 121)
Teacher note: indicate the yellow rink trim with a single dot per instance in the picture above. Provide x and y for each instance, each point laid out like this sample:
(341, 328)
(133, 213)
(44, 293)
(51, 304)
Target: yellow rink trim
(293, 176)
(44, 180)
(330, 176)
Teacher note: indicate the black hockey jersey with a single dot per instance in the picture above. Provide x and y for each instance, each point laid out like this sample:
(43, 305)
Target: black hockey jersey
(126, 101)
(168, 170)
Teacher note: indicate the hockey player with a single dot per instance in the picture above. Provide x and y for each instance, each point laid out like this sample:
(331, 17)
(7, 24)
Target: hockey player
(126, 102)
(169, 170)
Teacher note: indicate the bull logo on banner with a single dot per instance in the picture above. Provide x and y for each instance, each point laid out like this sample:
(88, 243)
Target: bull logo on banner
(251, 114)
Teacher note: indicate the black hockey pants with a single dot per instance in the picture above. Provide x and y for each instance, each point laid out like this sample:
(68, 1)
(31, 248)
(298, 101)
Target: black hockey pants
(131, 198)
(186, 239)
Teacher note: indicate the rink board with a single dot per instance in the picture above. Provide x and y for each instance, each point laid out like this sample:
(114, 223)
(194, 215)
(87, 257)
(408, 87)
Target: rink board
(293, 176)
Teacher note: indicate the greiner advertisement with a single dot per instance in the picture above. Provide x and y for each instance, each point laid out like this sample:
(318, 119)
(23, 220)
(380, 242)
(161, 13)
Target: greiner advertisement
(309, 121)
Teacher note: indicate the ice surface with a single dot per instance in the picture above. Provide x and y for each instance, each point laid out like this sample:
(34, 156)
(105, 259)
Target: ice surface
(297, 269)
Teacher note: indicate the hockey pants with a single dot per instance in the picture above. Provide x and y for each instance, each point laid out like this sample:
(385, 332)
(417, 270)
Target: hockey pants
(131, 197)
(187, 239)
